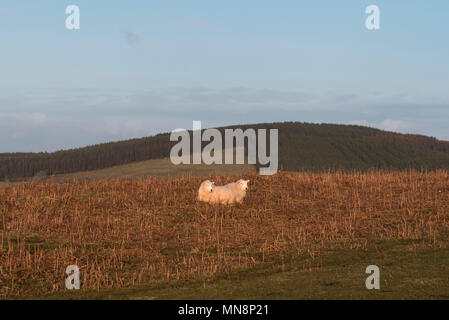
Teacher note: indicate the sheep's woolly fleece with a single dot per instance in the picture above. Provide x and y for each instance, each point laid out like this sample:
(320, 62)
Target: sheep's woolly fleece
(231, 193)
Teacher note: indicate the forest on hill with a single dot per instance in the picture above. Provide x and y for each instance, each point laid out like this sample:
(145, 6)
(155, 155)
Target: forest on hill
(302, 147)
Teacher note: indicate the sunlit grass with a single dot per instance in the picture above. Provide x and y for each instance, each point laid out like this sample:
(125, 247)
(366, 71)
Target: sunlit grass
(153, 233)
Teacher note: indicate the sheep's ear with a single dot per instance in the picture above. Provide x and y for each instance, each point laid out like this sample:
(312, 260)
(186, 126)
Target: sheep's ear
(247, 181)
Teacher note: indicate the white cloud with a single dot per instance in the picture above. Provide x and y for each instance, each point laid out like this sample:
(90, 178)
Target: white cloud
(32, 119)
(399, 126)
(363, 123)
(40, 132)
(396, 126)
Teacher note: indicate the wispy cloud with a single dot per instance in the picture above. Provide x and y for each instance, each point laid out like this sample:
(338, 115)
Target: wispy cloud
(396, 125)
(38, 120)
(44, 132)
(198, 24)
(132, 38)
(399, 126)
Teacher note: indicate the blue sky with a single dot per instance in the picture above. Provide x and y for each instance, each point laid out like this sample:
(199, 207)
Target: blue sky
(136, 68)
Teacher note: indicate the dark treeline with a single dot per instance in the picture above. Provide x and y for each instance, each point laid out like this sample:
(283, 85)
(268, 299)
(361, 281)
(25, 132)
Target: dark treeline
(16, 166)
(302, 146)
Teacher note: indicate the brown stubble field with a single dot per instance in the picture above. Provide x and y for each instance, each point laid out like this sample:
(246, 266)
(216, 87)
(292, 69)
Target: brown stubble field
(125, 233)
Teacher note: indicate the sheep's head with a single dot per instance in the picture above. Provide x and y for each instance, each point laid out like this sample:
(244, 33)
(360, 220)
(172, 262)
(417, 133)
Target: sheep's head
(243, 184)
(208, 185)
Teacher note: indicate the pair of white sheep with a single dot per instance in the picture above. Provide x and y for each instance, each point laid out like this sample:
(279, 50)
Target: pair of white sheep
(228, 194)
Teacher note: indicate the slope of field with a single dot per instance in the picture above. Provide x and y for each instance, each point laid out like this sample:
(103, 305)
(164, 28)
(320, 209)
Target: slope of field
(297, 235)
(143, 169)
(158, 168)
(302, 147)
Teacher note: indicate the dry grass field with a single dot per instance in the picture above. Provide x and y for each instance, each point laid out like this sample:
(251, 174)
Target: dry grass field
(297, 235)
(142, 169)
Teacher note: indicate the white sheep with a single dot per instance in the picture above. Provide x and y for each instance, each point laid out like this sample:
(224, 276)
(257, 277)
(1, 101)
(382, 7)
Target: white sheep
(230, 193)
(205, 190)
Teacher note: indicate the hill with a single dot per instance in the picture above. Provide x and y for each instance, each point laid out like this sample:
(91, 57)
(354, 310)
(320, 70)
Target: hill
(302, 147)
